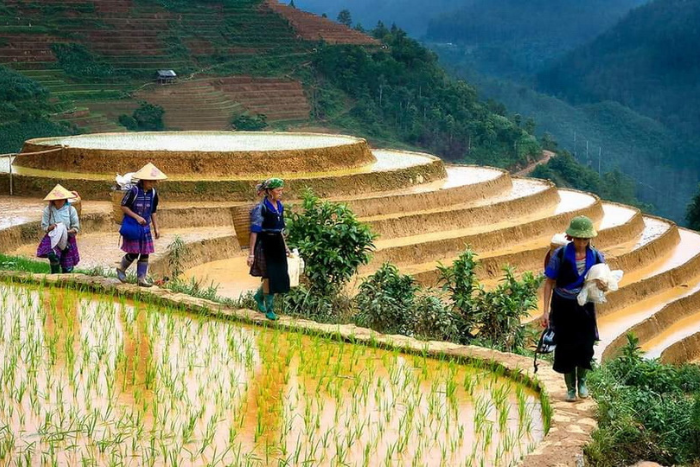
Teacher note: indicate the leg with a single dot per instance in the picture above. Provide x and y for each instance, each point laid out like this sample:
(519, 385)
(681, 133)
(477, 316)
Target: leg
(54, 262)
(581, 378)
(142, 271)
(260, 299)
(270, 305)
(124, 265)
(570, 379)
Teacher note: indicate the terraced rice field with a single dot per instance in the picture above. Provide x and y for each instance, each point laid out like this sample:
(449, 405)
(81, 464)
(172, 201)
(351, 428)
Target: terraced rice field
(90, 380)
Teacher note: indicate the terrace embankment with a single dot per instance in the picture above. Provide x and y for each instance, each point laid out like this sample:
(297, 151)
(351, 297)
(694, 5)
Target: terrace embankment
(426, 213)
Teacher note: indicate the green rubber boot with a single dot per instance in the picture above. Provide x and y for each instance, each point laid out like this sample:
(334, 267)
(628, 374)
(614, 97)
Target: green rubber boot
(260, 300)
(55, 268)
(581, 378)
(570, 379)
(270, 305)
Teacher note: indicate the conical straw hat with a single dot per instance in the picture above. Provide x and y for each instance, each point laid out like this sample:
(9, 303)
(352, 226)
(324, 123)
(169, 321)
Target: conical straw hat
(150, 172)
(59, 192)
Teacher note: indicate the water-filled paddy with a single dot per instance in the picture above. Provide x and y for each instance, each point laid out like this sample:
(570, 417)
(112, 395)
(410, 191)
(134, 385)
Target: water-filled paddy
(101, 381)
(199, 141)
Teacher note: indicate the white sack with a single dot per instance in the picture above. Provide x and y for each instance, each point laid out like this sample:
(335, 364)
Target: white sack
(590, 291)
(125, 182)
(295, 267)
(59, 236)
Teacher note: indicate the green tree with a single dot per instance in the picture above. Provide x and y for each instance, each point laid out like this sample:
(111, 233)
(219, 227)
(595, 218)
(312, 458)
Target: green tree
(345, 18)
(147, 117)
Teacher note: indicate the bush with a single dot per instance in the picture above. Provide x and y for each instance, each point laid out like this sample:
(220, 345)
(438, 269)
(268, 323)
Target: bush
(386, 301)
(332, 242)
(245, 122)
(149, 117)
(647, 411)
(76, 60)
(494, 316)
(391, 302)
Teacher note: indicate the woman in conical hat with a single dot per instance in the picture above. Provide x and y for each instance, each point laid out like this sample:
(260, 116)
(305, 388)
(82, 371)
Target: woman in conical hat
(140, 205)
(61, 224)
(575, 326)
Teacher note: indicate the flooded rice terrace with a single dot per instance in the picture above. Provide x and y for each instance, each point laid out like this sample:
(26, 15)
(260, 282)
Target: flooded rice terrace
(90, 380)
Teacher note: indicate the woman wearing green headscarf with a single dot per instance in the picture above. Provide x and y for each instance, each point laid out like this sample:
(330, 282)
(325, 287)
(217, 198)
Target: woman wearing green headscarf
(575, 326)
(268, 249)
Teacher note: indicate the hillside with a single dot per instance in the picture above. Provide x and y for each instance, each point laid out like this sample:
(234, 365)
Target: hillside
(95, 60)
(514, 39)
(647, 62)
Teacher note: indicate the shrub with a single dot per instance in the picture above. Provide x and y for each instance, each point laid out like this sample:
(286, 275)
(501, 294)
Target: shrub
(332, 242)
(245, 122)
(495, 315)
(391, 302)
(149, 117)
(76, 60)
(646, 411)
(386, 300)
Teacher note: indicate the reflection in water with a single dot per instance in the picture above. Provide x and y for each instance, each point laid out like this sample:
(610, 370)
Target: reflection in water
(100, 381)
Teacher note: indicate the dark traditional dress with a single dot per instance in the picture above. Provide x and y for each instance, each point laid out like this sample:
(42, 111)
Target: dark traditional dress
(143, 203)
(270, 261)
(575, 326)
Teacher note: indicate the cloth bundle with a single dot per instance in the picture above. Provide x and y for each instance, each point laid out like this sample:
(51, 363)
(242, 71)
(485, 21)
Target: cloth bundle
(125, 182)
(590, 291)
(59, 236)
(295, 267)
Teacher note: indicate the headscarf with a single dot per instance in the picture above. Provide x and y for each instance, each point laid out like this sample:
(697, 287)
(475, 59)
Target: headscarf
(272, 183)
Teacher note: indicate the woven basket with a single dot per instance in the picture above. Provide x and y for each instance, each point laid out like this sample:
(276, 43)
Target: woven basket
(241, 223)
(117, 213)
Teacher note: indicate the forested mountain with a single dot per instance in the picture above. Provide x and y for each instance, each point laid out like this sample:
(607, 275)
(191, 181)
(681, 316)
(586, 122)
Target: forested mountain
(606, 135)
(648, 62)
(411, 15)
(515, 38)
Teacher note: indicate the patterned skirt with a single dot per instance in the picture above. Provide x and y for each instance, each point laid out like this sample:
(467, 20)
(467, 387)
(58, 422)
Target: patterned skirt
(143, 246)
(270, 261)
(68, 258)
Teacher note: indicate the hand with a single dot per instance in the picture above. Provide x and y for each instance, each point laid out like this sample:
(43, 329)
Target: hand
(51, 227)
(156, 232)
(602, 285)
(544, 319)
(289, 252)
(72, 232)
(250, 260)
(140, 220)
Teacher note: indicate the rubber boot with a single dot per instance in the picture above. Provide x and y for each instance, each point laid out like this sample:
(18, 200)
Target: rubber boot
(121, 269)
(570, 379)
(260, 300)
(270, 305)
(54, 263)
(66, 270)
(142, 274)
(581, 378)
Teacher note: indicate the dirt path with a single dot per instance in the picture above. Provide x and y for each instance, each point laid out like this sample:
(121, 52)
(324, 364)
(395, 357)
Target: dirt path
(546, 156)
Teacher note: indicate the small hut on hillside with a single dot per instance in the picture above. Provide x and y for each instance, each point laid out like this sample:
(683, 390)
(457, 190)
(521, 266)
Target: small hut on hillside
(166, 76)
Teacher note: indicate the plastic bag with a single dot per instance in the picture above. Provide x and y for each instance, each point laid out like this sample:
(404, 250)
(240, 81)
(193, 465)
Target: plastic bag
(295, 267)
(590, 291)
(125, 182)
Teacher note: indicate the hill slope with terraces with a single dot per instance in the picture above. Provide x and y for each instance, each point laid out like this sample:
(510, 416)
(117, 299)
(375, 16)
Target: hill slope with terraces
(96, 61)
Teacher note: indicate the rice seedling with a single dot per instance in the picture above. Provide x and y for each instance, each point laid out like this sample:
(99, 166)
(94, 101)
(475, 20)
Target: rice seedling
(105, 381)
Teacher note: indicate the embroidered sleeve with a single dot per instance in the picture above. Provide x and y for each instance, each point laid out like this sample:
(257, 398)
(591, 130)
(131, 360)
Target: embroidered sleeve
(552, 269)
(256, 218)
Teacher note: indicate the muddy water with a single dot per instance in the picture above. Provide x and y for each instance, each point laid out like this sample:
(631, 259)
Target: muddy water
(678, 331)
(230, 276)
(100, 381)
